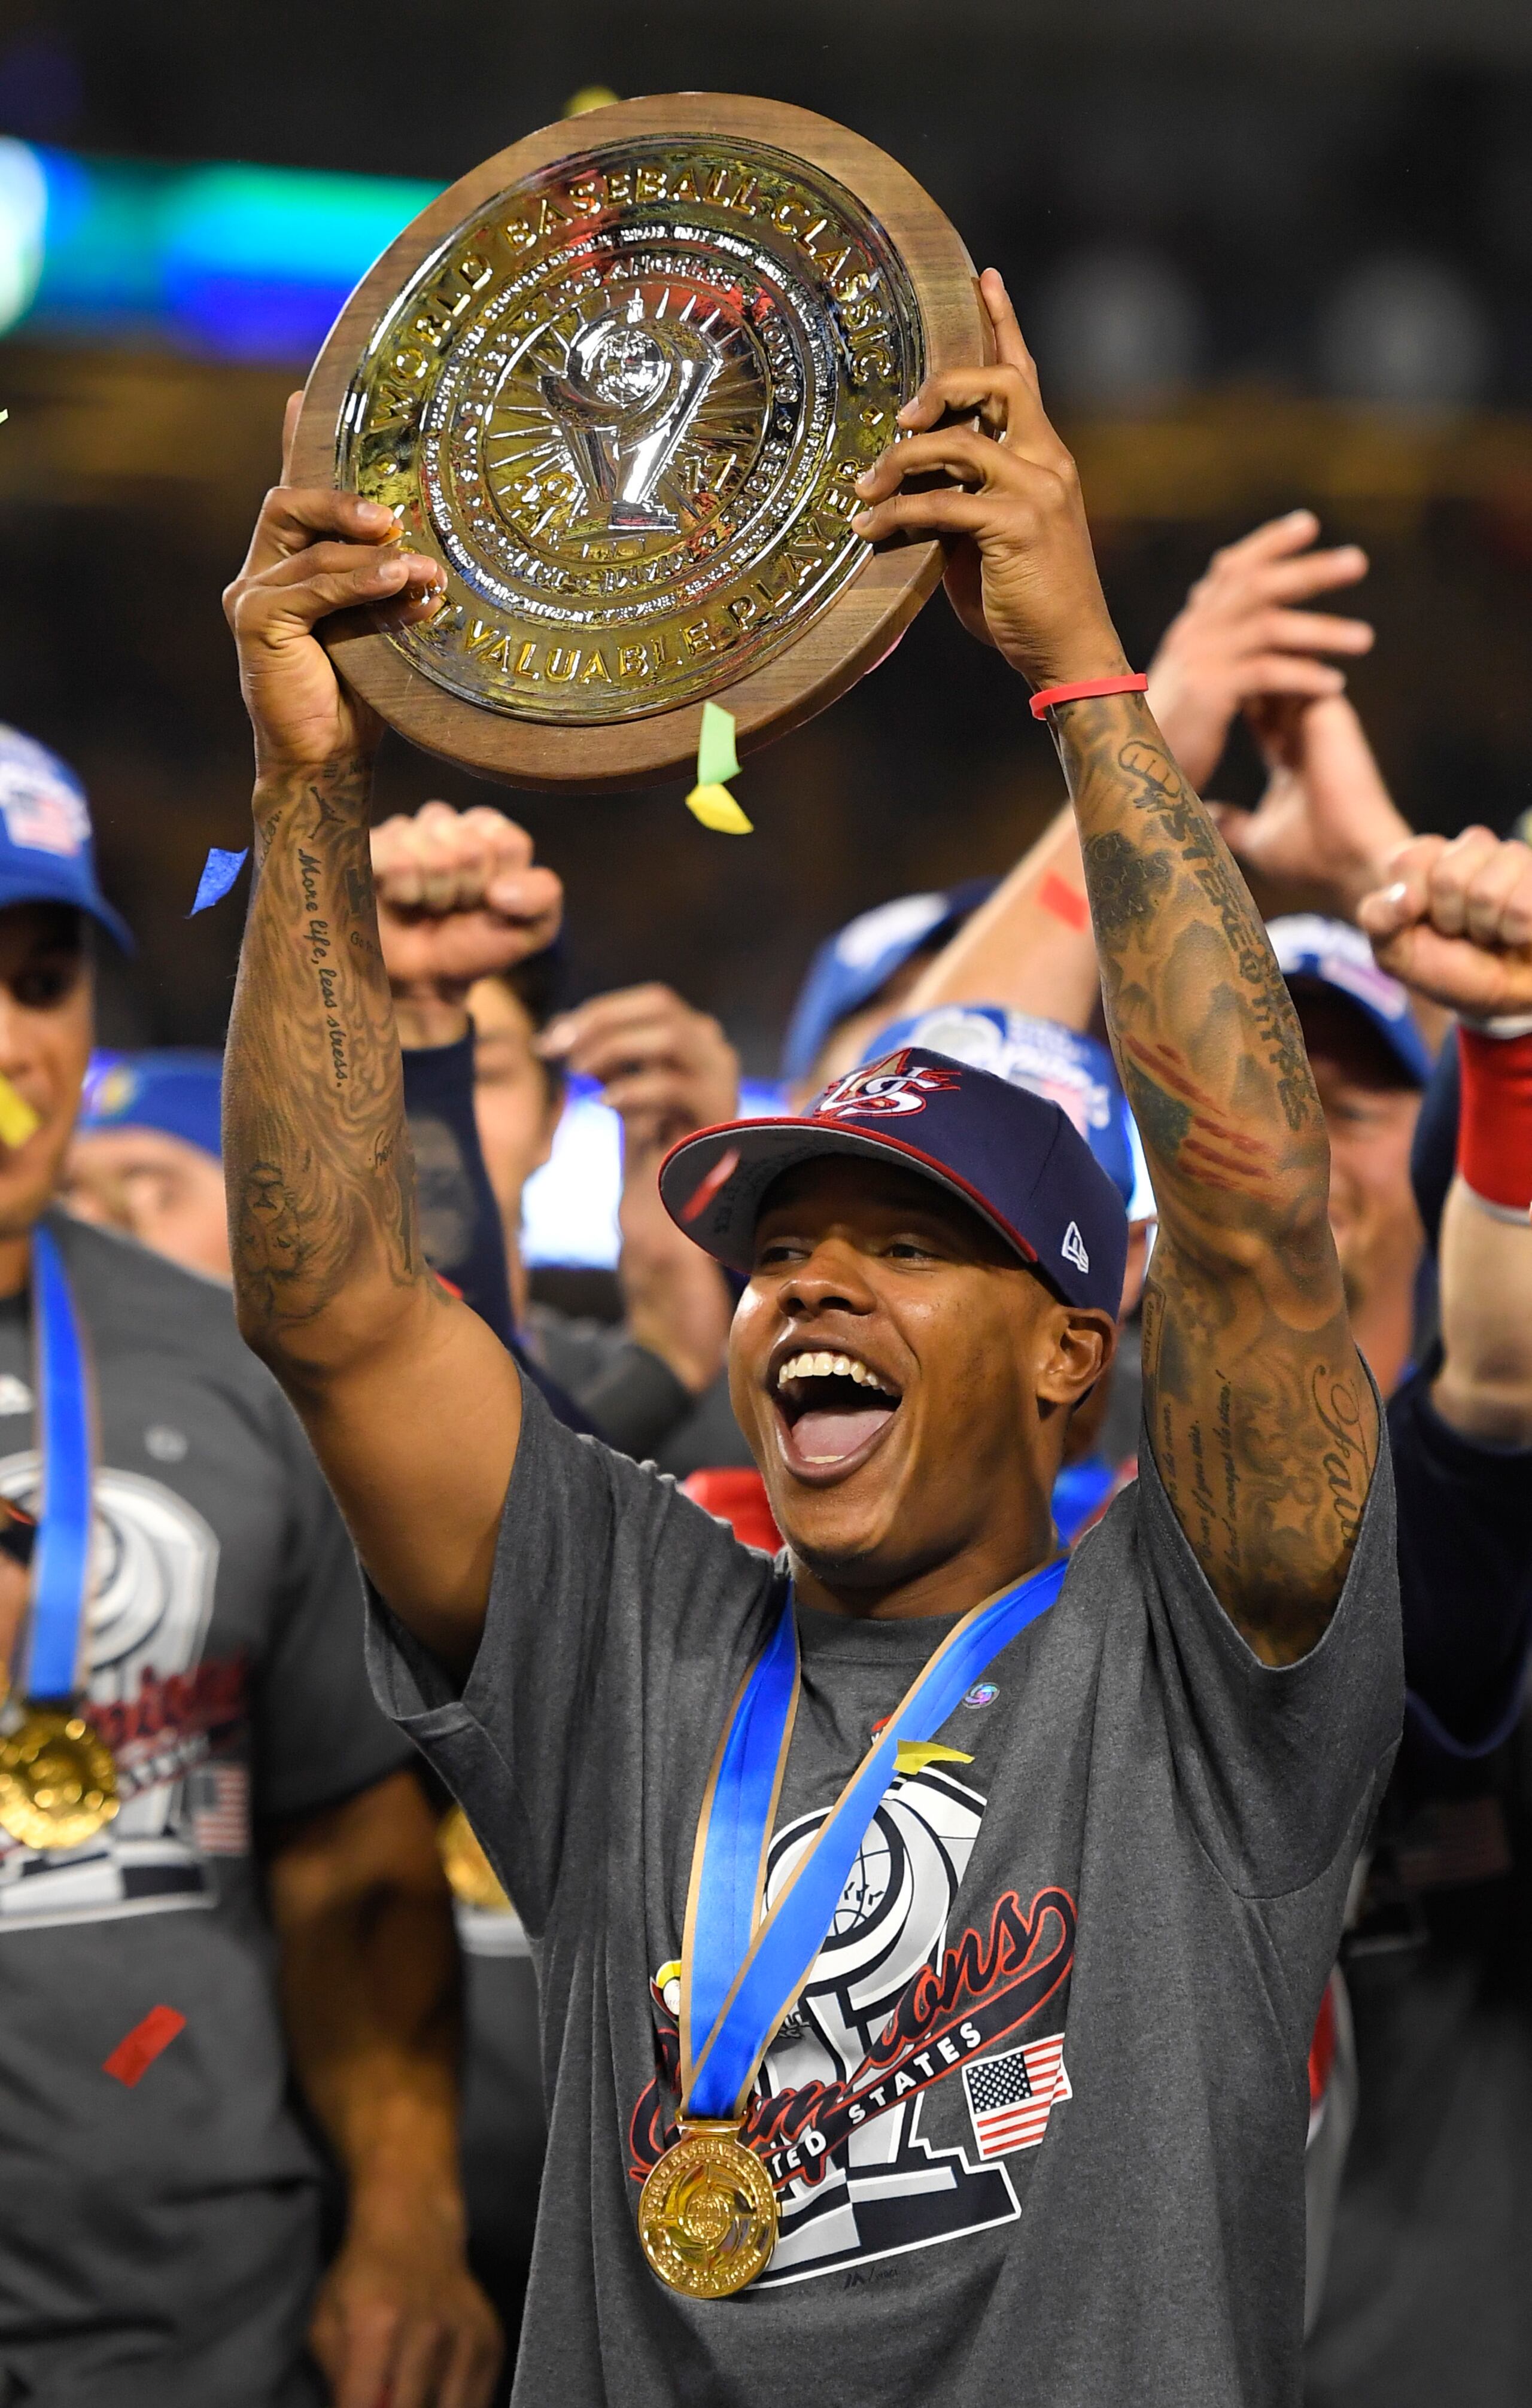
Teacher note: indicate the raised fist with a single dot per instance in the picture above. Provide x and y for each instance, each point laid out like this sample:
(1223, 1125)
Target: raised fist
(460, 897)
(1455, 923)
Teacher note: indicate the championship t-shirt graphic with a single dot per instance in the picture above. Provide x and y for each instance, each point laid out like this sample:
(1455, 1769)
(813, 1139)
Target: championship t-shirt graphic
(896, 2003)
(174, 1723)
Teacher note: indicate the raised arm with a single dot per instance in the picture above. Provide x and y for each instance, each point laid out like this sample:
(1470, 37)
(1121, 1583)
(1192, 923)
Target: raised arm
(1455, 923)
(1262, 1422)
(413, 1407)
(1240, 639)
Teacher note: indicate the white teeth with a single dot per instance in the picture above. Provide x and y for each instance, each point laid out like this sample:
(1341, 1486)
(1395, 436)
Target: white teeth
(817, 1366)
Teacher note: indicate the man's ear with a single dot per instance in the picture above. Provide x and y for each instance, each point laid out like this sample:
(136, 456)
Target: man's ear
(1083, 1343)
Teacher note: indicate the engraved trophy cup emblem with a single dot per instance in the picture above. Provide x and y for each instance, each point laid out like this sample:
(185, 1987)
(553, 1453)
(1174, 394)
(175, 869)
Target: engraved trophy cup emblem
(623, 391)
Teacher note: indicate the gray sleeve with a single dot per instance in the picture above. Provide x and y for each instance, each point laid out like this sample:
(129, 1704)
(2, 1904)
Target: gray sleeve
(609, 1586)
(1280, 1766)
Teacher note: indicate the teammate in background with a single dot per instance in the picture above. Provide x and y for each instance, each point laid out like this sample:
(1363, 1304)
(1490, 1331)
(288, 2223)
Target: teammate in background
(1426, 2293)
(466, 920)
(1169, 1764)
(270, 1873)
(146, 1155)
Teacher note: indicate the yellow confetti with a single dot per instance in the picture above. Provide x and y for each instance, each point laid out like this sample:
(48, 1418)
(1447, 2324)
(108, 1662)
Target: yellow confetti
(913, 1755)
(716, 759)
(715, 807)
(17, 1118)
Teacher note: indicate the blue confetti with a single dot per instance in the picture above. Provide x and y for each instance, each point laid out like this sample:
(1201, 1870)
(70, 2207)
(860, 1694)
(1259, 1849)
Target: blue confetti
(219, 872)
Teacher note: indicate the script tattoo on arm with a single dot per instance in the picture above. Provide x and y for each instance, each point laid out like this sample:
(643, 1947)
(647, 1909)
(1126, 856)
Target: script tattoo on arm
(321, 1181)
(1263, 1421)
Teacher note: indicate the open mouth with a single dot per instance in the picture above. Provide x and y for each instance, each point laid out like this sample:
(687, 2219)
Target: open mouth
(832, 1409)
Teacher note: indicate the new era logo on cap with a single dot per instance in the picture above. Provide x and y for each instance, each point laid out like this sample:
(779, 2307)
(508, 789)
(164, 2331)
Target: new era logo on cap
(1073, 1249)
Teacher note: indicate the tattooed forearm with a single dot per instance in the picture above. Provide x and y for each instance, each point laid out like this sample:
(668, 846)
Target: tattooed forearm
(1265, 1427)
(316, 1151)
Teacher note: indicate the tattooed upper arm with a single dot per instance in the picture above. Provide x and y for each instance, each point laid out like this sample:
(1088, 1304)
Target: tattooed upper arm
(1264, 1424)
(413, 1406)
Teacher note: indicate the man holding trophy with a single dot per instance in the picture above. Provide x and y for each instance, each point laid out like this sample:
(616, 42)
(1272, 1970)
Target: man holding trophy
(930, 1932)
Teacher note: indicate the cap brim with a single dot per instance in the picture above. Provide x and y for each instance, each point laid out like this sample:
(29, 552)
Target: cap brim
(712, 1185)
(35, 888)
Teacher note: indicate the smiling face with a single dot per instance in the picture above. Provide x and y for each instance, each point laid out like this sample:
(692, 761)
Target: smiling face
(906, 1384)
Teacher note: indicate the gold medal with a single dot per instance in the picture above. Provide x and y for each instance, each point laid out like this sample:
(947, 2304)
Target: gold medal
(468, 1871)
(58, 1784)
(707, 2215)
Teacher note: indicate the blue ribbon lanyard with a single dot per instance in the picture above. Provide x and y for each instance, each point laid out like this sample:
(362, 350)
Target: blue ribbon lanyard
(54, 1664)
(740, 1975)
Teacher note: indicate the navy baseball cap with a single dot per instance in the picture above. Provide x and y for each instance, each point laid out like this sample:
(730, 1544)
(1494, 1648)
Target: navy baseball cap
(1316, 952)
(1075, 1072)
(176, 1090)
(850, 966)
(1016, 1158)
(47, 849)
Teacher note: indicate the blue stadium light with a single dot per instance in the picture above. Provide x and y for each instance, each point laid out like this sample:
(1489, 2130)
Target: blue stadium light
(244, 262)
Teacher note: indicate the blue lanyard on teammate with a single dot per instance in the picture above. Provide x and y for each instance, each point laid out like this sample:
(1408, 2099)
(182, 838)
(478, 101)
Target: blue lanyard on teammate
(58, 1784)
(53, 1665)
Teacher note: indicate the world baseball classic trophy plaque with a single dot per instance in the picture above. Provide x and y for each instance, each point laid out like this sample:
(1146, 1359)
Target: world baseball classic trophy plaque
(620, 380)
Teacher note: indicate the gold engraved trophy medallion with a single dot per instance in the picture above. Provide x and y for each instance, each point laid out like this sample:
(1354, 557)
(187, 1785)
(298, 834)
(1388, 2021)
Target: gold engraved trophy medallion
(620, 382)
(707, 2213)
(58, 1783)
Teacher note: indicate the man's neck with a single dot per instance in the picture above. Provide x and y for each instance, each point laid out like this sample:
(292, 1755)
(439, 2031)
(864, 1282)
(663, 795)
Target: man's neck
(953, 1586)
(516, 1275)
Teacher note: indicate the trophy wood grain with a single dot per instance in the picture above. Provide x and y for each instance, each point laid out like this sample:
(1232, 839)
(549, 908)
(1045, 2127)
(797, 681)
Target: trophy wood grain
(857, 629)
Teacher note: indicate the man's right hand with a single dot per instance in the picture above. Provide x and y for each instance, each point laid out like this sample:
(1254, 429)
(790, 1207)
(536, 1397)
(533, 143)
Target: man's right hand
(1241, 634)
(316, 552)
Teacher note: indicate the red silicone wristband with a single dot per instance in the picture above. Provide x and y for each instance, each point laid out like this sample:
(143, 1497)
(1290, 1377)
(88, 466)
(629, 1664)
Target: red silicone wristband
(1495, 1119)
(1052, 693)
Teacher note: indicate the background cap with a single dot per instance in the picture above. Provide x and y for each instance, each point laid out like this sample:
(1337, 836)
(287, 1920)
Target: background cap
(1016, 1158)
(1076, 1072)
(1330, 952)
(850, 966)
(47, 850)
(176, 1090)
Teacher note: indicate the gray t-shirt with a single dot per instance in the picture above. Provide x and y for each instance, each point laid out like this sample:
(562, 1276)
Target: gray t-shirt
(160, 2243)
(1071, 1982)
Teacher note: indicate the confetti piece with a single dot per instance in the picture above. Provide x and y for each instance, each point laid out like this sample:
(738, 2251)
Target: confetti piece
(913, 1755)
(17, 1118)
(131, 2059)
(716, 759)
(219, 872)
(1066, 902)
(715, 807)
(4, 415)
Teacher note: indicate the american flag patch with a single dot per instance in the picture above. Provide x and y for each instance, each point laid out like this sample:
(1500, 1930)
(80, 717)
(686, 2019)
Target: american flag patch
(1009, 2097)
(217, 1796)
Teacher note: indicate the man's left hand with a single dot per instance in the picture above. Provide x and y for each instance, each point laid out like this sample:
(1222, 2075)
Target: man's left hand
(400, 2322)
(1455, 923)
(1020, 571)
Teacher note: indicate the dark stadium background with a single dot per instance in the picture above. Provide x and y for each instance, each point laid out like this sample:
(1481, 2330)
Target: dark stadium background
(1209, 214)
